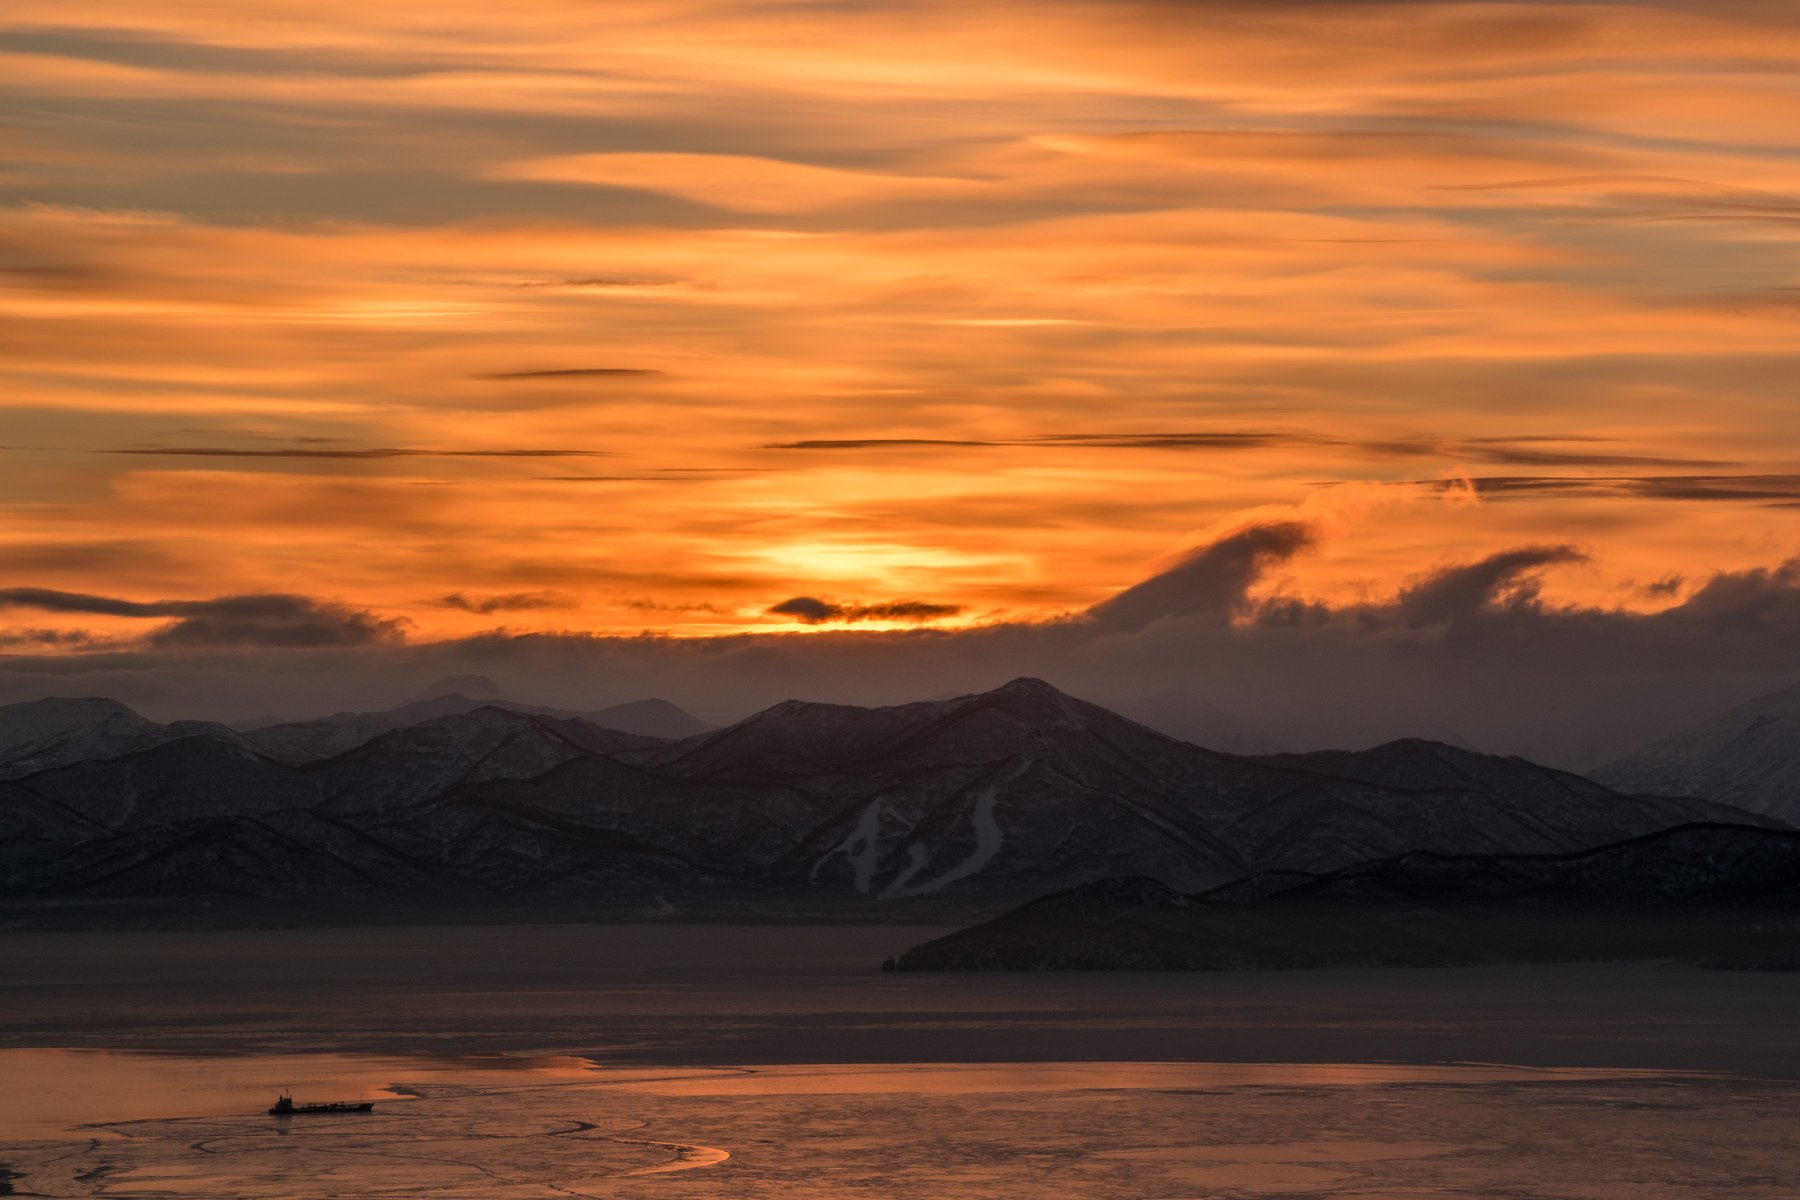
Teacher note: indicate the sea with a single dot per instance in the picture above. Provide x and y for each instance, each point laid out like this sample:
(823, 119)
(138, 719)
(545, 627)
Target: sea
(780, 1061)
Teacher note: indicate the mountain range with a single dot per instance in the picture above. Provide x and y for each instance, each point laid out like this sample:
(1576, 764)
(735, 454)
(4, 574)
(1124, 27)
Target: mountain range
(39, 734)
(1748, 757)
(959, 804)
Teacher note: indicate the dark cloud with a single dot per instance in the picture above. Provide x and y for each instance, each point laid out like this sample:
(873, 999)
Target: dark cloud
(622, 478)
(507, 602)
(645, 604)
(120, 556)
(569, 373)
(1528, 438)
(1734, 299)
(64, 639)
(273, 619)
(595, 281)
(350, 183)
(48, 600)
(1204, 440)
(1721, 210)
(1210, 581)
(1509, 451)
(1455, 592)
(874, 443)
(1764, 598)
(810, 610)
(378, 452)
(1717, 487)
(279, 622)
(57, 276)
(173, 54)
(292, 439)
(1517, 456)
(1216, 440)
(1518, 452)
(1555, 181)
(1765, 488)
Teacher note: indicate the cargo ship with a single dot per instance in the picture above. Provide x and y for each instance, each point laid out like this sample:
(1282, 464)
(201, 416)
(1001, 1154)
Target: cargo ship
(285, 1107)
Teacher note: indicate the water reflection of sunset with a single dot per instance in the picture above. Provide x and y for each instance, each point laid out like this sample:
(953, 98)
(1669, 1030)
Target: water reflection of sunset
(1042, 1077)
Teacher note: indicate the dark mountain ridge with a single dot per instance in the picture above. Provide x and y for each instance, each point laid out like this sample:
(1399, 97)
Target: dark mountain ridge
(824, 809)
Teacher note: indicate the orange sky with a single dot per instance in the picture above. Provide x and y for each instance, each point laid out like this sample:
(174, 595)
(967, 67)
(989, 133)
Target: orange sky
(556, 315)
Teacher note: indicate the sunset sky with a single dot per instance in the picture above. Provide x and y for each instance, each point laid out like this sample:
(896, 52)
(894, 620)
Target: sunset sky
(708, 318)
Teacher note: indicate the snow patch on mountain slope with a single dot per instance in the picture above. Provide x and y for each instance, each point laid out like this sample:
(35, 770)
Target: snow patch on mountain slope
(862, 847)
(989, 840)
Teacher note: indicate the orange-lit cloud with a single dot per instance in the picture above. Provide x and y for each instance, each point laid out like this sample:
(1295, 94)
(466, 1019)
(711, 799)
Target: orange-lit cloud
(735, 182)
(670, 312)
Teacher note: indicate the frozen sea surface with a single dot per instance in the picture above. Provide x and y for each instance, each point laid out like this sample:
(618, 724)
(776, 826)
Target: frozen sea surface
(933, 1130)
(747, 1062)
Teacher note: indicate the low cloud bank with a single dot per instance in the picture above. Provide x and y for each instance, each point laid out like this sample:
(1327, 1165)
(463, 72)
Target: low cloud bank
(1471, 653)
(271, 620)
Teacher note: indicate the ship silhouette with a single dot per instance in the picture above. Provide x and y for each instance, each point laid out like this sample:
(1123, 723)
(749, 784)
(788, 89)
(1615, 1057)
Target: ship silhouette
(285, 1107)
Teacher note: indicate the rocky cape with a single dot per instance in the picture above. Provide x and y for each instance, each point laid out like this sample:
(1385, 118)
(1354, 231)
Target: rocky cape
(1708, 894)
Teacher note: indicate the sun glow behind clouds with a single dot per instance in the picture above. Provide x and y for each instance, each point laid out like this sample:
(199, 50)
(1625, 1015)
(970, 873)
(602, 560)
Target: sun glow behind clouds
(977, 307)
(866, 561)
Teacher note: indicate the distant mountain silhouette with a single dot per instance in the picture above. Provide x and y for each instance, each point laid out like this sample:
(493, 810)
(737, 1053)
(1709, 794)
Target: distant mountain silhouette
(1748, 757)
(975, 800)
(478, 686)
(307, 741)
(40, 734)
(1721, 894)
